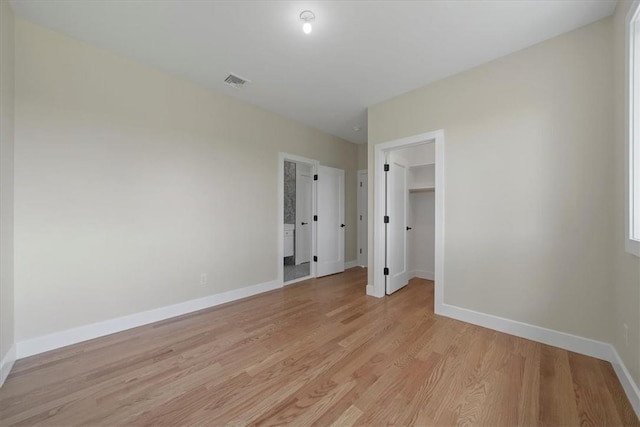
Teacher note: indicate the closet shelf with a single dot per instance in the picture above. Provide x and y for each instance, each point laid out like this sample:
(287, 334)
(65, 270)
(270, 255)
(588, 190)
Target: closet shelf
(421, 189)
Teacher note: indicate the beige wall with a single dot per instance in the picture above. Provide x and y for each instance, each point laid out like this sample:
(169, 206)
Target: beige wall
(528, 179)
(626, 280)
(6, 178)
(131, 182)
(362, 156)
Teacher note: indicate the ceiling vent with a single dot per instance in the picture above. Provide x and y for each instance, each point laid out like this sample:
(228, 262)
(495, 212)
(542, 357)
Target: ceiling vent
(236, 81)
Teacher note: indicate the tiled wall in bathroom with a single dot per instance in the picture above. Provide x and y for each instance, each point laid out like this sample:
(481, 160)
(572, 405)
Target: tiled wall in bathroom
(289, 199)
(289, 192)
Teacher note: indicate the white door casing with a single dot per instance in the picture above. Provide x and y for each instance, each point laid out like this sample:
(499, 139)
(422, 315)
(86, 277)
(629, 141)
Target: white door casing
(304, 206)
(397, 203)
(331, 225)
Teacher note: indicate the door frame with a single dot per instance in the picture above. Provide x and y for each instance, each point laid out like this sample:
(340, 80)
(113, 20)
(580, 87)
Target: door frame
(362, 232)
(380, 149)
(280, 226)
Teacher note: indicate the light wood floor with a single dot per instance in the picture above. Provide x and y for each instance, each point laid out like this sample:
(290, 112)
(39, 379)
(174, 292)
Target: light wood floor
(318, 352)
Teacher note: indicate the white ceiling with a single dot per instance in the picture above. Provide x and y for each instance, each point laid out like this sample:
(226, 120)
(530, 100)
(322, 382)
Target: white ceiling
(359, 53)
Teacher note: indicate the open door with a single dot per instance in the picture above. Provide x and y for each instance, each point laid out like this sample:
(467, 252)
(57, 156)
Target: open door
(363, 228)
(396, 257)
(331, 225)
(304, 191)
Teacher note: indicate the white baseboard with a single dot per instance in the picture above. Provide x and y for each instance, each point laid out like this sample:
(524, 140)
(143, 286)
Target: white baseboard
(574, 343)
(422, 274)
(7, 363)
(350, 264)
(586, 346)
(56, 340)
(631, 389)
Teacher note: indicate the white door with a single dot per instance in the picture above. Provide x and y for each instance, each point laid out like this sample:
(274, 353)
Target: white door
(331, 223)
(304, 182)
(363, 227)
(396, 247)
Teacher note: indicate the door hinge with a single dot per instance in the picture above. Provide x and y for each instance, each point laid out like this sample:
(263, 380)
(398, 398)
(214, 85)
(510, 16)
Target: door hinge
(315, 177)
(386, 219)
(360, 250)
(315, 258)
(386, 271)
(315, 217)
(386, 167)
(360, 217)
(360, 183)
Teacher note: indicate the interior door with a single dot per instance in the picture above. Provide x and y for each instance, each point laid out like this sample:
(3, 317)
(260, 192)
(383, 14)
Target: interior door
(304, 183)
(363, 227)
(396, 248)
(331, 225)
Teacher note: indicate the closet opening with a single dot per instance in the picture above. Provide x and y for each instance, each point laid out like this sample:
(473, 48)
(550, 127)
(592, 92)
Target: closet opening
(408, 214)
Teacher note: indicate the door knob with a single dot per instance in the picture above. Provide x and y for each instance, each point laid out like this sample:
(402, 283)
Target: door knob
(408, 228)
(342, 225)
(304, 223)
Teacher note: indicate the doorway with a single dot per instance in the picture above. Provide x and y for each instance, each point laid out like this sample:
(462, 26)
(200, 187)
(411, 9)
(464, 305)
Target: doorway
(395, 175)
(297, 195)
(311, 220)
(409, 216)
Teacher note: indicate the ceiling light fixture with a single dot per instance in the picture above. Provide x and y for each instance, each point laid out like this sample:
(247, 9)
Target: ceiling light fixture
(307, 17)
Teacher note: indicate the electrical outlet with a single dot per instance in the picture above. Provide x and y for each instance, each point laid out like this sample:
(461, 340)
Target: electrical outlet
(204, 279)
(626, 334)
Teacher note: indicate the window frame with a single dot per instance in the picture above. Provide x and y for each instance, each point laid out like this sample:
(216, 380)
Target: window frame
(632, 143)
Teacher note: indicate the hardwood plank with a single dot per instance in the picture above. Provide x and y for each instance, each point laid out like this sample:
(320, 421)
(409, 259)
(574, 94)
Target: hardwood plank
(624, 411)
(348, 417)
(316, 353)
(594, 404)
(558, 405)
(529, 406)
